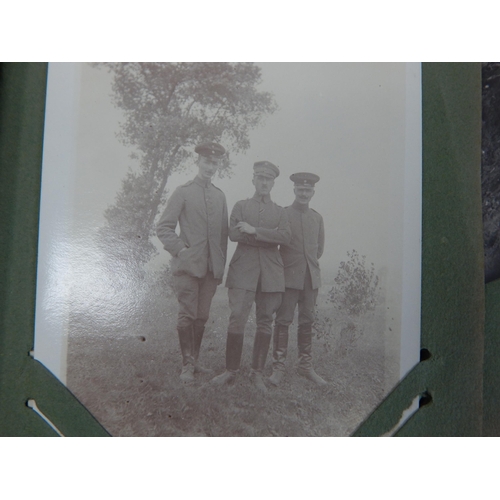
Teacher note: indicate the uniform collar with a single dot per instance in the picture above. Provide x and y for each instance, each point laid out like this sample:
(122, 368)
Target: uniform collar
(262, 199)
(202, 183)
(300, 207)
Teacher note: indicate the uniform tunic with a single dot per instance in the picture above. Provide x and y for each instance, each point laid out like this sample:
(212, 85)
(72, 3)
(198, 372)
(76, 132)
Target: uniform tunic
(300, 258)
(257, 258)
(305, 247)
(256, 269)
(200, 210)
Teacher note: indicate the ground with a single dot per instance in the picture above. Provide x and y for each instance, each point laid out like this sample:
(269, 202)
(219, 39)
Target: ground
(129, 379)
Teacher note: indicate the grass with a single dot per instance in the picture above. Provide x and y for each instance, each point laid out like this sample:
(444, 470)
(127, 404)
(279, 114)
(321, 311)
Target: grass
(129, 379)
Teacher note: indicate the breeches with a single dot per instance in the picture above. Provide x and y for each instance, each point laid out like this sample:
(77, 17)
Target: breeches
(240, 303)
(306, 300)
(195, 298)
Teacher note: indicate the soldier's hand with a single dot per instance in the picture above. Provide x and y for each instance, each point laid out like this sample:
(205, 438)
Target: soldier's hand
(244, 227)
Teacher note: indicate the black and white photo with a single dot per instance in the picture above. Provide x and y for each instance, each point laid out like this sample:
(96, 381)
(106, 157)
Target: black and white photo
(230, 249)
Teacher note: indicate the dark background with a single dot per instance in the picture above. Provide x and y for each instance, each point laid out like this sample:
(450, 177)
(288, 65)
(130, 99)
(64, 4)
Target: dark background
(490, 166)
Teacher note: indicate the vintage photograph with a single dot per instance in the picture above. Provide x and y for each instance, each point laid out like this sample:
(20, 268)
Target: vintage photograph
(230, 249)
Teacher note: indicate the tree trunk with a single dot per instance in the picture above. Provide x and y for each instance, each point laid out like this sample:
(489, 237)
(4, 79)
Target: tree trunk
(155, 202)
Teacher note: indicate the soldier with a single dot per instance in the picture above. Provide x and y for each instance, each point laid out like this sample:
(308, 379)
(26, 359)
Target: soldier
(302, 279)
(198, 253)
(255, 272)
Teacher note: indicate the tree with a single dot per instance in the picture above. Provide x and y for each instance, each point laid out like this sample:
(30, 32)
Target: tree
(169, 108)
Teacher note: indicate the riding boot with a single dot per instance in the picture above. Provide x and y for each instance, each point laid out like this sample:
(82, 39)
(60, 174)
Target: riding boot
(259, 356)
(304, 340)
(280, 347)
(198, 331)
(234, 348)
(187, 345)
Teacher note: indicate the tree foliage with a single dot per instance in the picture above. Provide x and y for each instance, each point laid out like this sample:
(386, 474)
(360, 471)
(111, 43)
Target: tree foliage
(169, 108)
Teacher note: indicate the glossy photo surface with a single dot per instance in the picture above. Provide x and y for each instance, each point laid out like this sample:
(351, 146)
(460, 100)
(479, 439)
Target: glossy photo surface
(120, 142)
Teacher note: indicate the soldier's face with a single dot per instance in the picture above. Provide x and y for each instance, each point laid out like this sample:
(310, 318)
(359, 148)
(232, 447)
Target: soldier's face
(207, 166)
(303, 194)
(263, 184)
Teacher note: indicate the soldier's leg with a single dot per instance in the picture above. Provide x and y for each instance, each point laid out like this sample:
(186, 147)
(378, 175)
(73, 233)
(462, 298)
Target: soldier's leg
(266, 305)
(206, 290)
(307, 308)
(240, 304)
(284, 318)
(186, 290)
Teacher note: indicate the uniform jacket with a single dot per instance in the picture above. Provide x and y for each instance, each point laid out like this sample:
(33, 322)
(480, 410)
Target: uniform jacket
(200, 210)
(257, 255)
(305, 247)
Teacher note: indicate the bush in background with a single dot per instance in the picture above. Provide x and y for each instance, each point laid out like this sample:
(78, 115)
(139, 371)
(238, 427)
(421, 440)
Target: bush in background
(356, 286)
(354, 295)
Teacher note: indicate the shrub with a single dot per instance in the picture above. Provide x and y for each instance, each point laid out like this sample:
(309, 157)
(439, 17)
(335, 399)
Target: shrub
(356, 286)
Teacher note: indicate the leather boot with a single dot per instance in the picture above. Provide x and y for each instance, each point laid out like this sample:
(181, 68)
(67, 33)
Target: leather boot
(280, 348)
(186, 343)
(198, 331)
(304, 340)
(234, 348)
(259, 356)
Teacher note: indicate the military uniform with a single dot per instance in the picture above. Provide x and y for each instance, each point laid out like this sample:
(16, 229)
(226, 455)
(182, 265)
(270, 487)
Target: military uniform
(255, 274)
(200, 210)
(257, 258)
(302, 281)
